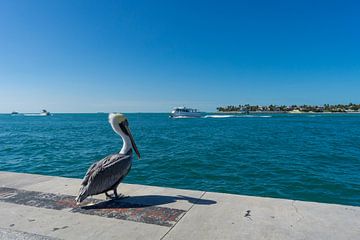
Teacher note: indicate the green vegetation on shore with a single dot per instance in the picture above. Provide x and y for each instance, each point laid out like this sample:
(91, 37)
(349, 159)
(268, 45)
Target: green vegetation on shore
(283, 108)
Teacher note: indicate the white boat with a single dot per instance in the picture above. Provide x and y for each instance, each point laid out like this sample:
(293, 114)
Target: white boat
(184, 112)
(42, 113)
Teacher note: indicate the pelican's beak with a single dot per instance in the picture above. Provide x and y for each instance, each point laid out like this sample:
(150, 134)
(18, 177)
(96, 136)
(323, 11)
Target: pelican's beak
(132, 140)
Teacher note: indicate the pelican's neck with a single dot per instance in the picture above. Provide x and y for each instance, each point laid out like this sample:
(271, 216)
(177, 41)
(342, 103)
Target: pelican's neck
(126, 144)
(126, 140)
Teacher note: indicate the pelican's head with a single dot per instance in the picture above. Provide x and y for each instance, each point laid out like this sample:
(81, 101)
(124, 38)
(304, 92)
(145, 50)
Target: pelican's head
(120, 125)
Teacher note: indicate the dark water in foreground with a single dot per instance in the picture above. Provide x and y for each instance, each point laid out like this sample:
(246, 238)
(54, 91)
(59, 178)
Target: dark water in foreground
(305, 157)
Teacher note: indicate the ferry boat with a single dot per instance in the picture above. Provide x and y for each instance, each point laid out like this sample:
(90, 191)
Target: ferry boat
(184, 112)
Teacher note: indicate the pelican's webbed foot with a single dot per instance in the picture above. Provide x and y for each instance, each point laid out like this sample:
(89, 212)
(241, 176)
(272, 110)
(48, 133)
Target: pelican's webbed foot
(121, 196)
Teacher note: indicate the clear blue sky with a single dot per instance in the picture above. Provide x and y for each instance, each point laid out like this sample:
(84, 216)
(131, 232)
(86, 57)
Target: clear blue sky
(89, 56)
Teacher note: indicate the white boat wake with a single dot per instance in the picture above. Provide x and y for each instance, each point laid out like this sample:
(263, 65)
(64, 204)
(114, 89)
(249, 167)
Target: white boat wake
(236, 116)
(220, 116)
(184, 117)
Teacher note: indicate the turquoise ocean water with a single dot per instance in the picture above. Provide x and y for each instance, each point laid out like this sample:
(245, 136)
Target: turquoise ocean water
(306, 157)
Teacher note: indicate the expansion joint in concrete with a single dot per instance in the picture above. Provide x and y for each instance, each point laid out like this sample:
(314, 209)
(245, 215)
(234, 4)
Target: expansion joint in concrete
(297, 211)
(202, 195)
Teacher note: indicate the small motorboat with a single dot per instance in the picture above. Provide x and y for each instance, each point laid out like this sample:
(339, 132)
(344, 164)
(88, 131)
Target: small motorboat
(45, 113)
(41, 114)
(184, 112)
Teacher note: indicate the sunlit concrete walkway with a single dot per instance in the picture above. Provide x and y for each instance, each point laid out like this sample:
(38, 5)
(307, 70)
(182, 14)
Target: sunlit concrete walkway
(42, 207)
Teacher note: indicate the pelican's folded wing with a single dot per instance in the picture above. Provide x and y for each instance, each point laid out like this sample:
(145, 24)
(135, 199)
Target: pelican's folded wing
(89, 172)
(107, 173)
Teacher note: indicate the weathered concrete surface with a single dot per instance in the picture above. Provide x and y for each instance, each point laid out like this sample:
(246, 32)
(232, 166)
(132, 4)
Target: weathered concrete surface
(187, 214)
(8, 234)
(242, 217)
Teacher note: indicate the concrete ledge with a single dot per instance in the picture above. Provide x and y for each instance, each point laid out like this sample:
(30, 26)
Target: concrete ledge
(42, 207)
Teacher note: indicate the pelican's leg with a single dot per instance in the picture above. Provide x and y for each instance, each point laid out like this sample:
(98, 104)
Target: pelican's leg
(108, 196)
(118, 196)
(113, 196)
(115, 193)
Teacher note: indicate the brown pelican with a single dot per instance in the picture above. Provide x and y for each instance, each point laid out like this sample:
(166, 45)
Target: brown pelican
(106, 174)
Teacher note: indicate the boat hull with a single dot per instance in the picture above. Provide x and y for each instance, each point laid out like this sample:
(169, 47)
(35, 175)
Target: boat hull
(185, 115)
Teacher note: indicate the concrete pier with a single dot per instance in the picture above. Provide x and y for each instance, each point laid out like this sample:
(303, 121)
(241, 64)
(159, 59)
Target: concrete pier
(43, 207)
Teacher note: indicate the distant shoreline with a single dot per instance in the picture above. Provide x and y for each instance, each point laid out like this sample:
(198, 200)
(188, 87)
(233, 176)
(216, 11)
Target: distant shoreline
(295, 109)
(282, 112)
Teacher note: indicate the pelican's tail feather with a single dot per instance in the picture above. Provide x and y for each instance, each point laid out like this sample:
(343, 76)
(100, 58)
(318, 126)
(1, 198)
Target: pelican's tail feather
(82, 195)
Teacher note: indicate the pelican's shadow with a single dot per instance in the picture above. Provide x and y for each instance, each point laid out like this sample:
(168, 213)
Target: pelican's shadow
(147, 201)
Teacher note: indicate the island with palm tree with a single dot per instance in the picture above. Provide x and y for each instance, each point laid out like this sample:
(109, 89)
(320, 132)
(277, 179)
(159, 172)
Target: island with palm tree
(326, 108)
